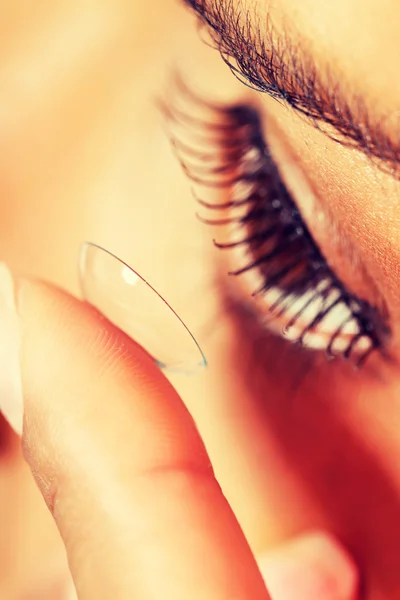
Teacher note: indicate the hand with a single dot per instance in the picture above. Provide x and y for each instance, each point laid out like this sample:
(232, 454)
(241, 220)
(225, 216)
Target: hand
(125, 474)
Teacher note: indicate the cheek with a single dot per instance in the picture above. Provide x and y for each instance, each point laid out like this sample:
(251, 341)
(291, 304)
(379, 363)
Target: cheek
(324, 438)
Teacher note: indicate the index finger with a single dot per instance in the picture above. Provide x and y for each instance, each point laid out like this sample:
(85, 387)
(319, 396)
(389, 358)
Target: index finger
(121, 465)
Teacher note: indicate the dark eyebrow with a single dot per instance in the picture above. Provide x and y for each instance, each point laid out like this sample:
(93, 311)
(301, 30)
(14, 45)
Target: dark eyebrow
(273, 63)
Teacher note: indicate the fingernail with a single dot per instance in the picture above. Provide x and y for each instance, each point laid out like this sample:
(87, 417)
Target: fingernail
(313, 566)
(11, 404)
(71, 592)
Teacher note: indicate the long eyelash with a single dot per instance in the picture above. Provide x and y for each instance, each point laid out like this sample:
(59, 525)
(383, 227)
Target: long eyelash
(237, 159)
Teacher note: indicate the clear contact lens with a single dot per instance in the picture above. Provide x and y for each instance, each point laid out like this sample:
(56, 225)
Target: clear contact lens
(132, 304)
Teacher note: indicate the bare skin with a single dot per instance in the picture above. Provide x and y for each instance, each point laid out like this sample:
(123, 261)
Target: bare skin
(81, 143)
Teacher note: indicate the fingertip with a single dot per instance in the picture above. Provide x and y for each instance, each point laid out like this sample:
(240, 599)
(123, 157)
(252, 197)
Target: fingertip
(314, 565)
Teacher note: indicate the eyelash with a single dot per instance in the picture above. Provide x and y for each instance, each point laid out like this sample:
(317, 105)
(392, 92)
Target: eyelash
(292, 266)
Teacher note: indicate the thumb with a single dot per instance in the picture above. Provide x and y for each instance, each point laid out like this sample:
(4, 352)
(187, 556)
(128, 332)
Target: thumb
(313, 566)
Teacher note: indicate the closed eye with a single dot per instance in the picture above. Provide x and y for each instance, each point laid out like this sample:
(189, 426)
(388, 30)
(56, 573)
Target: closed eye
(293, 289)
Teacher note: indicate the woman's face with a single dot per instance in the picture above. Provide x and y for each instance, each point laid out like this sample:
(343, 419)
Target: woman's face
(298, 442)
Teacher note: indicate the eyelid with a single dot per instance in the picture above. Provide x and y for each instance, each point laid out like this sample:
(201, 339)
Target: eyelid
(267, 202)
(341, 253)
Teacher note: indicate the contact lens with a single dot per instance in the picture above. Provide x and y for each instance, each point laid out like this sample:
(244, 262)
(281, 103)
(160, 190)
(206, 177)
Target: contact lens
(133, 305)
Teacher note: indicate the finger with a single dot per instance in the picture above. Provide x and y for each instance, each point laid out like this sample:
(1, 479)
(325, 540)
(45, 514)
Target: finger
(311, 566)
(120, 463)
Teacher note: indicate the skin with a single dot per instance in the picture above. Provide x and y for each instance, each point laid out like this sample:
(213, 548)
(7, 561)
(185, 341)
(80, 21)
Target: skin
(81, 143)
